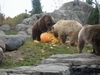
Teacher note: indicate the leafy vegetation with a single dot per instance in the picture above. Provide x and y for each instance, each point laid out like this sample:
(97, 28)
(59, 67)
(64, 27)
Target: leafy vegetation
(94, 19)
(13, 21)
(36, 7)
(19, 18)
(32, 53)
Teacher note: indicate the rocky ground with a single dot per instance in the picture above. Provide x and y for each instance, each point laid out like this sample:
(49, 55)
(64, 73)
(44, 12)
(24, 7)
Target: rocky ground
(59, 64)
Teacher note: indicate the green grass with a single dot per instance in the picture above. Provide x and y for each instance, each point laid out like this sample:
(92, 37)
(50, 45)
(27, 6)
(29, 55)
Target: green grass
(10, 32)
(32, 53)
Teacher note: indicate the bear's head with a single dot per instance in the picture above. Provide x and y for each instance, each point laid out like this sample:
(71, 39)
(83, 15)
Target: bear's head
(47, 21)
(54, 31)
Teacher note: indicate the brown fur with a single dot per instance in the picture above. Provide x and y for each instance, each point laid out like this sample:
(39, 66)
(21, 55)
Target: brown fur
(90, 34)
(65, 28)
(42, 25)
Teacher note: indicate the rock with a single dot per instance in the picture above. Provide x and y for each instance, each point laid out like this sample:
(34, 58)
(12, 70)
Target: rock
(12, 42)
(29, 31)
(22, 27)
(2, 33)
(44, 69)
(61, 64)
(1, 55)
(26, 21)
(58, 14)
(5, 27)
(23, 35)
(75, 59)
(34, 18)
(83, 11)
(49, 69)
(85, 70)
(3, 73)
(67, 15)
(2, 45)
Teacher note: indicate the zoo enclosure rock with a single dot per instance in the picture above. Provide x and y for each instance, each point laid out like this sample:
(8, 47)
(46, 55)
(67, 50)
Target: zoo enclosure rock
(2, 33)
(5, 27)
(75, 59)
(43, 69)
(55, 65)
(24, 35)
(22, 27)
(82, 10)
(1, 55)
(2, 45)
(27, 23)
(12, 42)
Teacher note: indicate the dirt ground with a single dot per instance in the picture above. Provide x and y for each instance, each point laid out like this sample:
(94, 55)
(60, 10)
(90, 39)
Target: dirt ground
(16, 55)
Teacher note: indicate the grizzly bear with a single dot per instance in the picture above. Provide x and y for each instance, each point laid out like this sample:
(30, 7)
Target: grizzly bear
(90, 34)
(67, 28)
(42, 25)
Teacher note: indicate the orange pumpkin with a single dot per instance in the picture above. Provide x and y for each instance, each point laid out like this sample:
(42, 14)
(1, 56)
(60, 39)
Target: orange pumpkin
(45, 37)
(48, 37)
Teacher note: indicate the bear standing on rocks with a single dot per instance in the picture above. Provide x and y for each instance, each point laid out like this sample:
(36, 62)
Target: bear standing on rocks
(64, 28)
(90, 34)
(42, 25)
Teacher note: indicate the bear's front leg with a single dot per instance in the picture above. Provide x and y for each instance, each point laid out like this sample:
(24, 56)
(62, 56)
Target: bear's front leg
(72, 41)
(93, 52)
(96, 50)
(38, 36)
(63, 38)
(80, 45)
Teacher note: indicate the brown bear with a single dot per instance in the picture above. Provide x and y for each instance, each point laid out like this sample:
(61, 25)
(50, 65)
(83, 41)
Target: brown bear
(65, 28)
(90, 34)
(42, 25)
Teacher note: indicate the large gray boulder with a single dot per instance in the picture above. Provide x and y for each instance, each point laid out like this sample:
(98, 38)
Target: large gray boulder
(58, 14)
(23, 35)
(2, 45)
(34, 18)
(12, 42)
(5, 27)
(31, 20)
(22, 27)
(65, 15)
(1, 55)
(26, 21)
(82, 10)
(75, 59)
(2, 33)
(29, 31)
